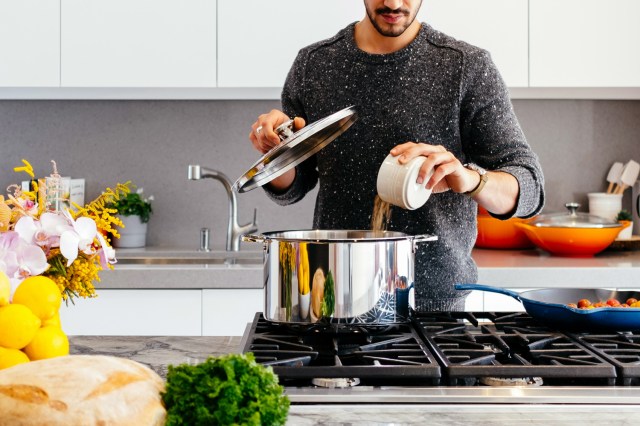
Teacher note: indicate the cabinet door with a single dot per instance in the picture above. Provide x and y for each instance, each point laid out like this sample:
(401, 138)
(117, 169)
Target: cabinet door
(226, 312)
(135, 313)
(139, 43)
(258, 40)
(499, 26)
(474, 301)
(29, 43)
(503, 303)
(585, 43)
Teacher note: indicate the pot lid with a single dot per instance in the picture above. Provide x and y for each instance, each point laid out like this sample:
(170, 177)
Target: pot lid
(573, 219)
(295, 148)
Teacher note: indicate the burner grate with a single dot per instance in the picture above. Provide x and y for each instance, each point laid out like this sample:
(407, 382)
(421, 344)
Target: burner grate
(376, 353)
(474, 345)
(620, 349)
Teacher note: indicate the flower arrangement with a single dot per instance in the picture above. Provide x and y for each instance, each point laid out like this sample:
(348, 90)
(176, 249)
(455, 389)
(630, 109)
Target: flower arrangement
(68, 245)
(133, 204)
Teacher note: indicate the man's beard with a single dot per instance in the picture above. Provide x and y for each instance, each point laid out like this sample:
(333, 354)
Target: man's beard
(392, 30)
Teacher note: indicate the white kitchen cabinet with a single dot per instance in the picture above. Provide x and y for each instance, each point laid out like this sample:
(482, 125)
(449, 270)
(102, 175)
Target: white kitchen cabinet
(585, 43)
(29, 43)
(135, 313)
(258, 40)
(499, 26)
(474, 301)
(502, 302)
(226, 312)
(139, 43)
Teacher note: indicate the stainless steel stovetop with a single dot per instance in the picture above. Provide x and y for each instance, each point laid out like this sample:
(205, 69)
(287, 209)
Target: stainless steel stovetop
(451, 358)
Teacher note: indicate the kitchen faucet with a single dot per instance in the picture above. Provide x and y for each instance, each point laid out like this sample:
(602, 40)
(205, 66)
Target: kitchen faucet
(234, 230)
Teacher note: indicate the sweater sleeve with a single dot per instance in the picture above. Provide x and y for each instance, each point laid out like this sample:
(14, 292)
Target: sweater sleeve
(491, 135)
(292, 104)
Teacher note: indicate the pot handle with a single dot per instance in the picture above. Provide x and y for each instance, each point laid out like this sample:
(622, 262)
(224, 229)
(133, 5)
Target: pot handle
(252, 238)
(491, 289)
(421, 239)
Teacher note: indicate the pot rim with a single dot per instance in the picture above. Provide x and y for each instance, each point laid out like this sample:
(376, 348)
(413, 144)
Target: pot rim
(328, 236)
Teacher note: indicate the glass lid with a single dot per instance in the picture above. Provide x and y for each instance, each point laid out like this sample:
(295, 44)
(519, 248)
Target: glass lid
(573, 219)
(295, 148)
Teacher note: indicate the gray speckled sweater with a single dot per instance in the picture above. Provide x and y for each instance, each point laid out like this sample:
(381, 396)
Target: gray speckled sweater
(436, 90)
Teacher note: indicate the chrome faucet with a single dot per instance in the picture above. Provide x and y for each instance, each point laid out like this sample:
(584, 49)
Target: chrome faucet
(234, 230)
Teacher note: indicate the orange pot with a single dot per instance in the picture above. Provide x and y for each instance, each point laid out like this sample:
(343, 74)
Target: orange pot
(571, 241)
(501, 234)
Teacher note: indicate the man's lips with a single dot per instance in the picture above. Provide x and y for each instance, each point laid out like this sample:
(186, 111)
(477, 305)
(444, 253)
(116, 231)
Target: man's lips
(392, 18)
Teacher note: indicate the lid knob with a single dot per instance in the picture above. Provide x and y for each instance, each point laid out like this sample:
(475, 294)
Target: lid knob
(285, 130)
(572, 207)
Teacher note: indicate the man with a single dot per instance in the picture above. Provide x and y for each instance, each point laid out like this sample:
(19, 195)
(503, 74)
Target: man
(418, 92)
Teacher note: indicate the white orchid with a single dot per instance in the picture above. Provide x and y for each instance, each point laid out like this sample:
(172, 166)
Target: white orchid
(79, 236)
(107, 253)
(44, 232)
(20, 259)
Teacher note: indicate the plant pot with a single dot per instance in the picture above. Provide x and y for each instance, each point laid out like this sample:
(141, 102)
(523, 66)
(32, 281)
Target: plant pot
(134, 233)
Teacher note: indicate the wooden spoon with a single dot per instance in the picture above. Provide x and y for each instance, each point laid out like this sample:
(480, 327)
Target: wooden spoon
(628, 176)
(614, 176)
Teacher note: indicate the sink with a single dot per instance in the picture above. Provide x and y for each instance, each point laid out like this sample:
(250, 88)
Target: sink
(182, 257)
(189, 261)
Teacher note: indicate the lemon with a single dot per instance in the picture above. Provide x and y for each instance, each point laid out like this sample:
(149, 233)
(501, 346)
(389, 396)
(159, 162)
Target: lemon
(40, 294)
(54, 321)
(18, 325)
(49, 342)
(11, 357)
(5, 289)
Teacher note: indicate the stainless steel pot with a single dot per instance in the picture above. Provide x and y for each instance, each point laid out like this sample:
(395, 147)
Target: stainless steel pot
(338, 276)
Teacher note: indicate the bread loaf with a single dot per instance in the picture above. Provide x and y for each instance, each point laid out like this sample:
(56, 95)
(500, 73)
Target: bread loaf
(81, 390)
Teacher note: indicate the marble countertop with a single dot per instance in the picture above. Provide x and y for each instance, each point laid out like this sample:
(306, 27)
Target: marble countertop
(159, 352)
(506, 268)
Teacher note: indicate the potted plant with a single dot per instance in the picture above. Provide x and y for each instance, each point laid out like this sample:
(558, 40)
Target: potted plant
(134, 211)
(625, 218)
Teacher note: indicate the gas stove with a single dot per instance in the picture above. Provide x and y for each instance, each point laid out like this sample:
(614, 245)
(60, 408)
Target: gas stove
(449, 357)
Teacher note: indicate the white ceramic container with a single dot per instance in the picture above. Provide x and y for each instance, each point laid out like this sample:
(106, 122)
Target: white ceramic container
(397, 184)
(605, 205)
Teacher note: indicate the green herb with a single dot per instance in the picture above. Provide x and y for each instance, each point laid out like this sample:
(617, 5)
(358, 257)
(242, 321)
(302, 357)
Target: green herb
(624, 215)
(329, 299)
(232, 389)
(133, 205)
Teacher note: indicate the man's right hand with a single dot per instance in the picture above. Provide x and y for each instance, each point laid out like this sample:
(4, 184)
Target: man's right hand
(264, 138)
(262, 134)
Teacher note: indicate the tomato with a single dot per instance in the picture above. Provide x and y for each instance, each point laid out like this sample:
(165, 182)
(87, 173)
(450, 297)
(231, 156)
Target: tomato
(631, 301)
(583, 303)
(613, 302)
(572, 305)
(600, 305)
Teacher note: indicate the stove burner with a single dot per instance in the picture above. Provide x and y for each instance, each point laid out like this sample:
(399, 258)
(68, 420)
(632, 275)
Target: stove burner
(380, 354)
(445, 349)
(335, 382)
(511, 381)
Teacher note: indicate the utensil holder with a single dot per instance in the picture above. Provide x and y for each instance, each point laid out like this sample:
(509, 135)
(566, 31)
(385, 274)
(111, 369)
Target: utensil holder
(605, 205)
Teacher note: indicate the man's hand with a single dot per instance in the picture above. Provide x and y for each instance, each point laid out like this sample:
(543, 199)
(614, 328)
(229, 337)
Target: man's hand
(263, 137)
(262, 133)
(499, 195)
(448, 171)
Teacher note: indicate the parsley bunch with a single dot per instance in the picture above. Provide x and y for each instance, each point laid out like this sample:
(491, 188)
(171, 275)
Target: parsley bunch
(232, 389)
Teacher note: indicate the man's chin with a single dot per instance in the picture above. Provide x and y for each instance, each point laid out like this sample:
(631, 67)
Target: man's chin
(393, 31)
